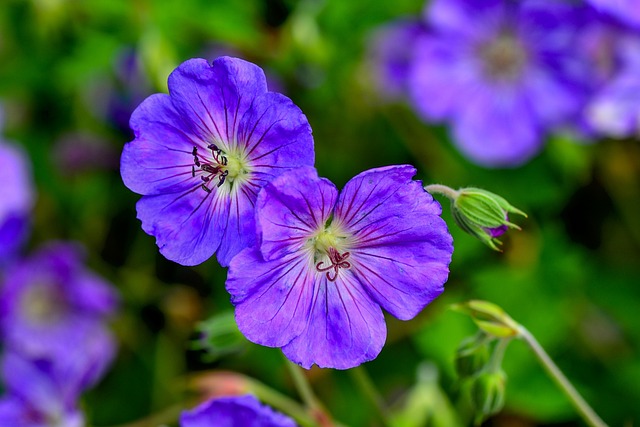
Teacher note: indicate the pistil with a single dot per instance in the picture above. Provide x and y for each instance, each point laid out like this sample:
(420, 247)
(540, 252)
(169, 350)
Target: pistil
(337, 260)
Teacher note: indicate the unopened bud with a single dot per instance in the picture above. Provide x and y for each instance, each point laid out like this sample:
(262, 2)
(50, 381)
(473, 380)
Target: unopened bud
(490, 318)
(472, 355)
(219, 336)
(483, 214)
(487, 393)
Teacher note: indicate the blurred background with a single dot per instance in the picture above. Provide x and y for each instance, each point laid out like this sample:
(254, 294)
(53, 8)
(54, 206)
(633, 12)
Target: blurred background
(71, 73)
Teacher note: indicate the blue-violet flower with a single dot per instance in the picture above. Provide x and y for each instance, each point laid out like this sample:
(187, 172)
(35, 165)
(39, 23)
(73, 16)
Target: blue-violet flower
(201, 154)
(327, 263)
(50, 303)
(234, 411)
(499, 72)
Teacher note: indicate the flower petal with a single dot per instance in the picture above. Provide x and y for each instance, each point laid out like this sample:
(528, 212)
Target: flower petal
(160, 158)
(272, 298)
(214, 97)
(188, 227)
(345, 327)
(401, 247)
(276, 136)
(497, 128)
(443, 72)
(291, 208)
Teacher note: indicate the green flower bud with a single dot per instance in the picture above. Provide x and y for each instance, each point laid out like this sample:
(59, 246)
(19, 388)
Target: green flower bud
(487, 394)
(490, 318)
(219, 336)
(483, 214)
(472, 355)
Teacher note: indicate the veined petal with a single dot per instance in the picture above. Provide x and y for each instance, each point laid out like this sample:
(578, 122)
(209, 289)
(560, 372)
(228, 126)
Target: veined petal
(345, 327)
(291, 208)
(276, 135)
(214, 97)
(367, 196)
(239, 231)
(272, 298)
(401, 248)
(188, 227)
(159, 159)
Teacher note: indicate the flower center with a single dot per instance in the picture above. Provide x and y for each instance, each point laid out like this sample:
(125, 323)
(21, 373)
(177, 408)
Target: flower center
(42, 304)
(329, 254)
(219, 168)
(504, 57)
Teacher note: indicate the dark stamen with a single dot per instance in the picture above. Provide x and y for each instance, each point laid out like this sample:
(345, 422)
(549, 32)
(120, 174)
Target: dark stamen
(211, 168)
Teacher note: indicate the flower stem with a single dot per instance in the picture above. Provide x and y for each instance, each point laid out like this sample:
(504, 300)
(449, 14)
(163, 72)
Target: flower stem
(282, 403)
(449, 192)
(302, 385)
(314, 408)
(363, 381)
(588, 414)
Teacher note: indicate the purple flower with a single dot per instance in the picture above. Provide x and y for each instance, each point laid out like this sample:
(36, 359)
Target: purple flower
(500, 72)
(625, 10)
(202, 153)
(328, 263)
(52, 307)
(234, 411)
(612, 68)
(391, 55)
(16, 201)
(39, 395)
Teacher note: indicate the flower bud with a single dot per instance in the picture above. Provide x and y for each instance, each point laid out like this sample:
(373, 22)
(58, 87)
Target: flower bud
(490, 318)
(483, 214)
(472, 355)
(487, 393)
(219, 336)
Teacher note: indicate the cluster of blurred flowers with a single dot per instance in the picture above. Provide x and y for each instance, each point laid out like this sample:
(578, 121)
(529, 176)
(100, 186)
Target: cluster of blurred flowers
(53, 310)
(505, 74)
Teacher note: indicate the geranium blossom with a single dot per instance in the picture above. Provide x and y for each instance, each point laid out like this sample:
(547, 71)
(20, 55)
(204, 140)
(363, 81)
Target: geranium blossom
(234, 411)
(52, 307)
(500, 72)
(328, 263)
(201, 154)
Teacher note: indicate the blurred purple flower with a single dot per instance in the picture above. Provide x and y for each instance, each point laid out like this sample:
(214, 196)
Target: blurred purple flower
(627, 11)
(202, 153)
(38, 394)
(500, 72)
(16, 201)
(327, 264)
(53, 308)
(391, 55)
(244, 411)
(612, 70)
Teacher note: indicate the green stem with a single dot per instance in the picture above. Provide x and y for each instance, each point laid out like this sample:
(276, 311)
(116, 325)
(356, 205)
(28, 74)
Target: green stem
(282, 403)
(588, 414)
(303, 386)
(497, 356)
(363, 381)
(449, 192)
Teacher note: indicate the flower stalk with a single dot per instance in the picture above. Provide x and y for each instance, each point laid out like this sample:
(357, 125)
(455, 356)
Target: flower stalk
(583, 408)
(495, 322)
